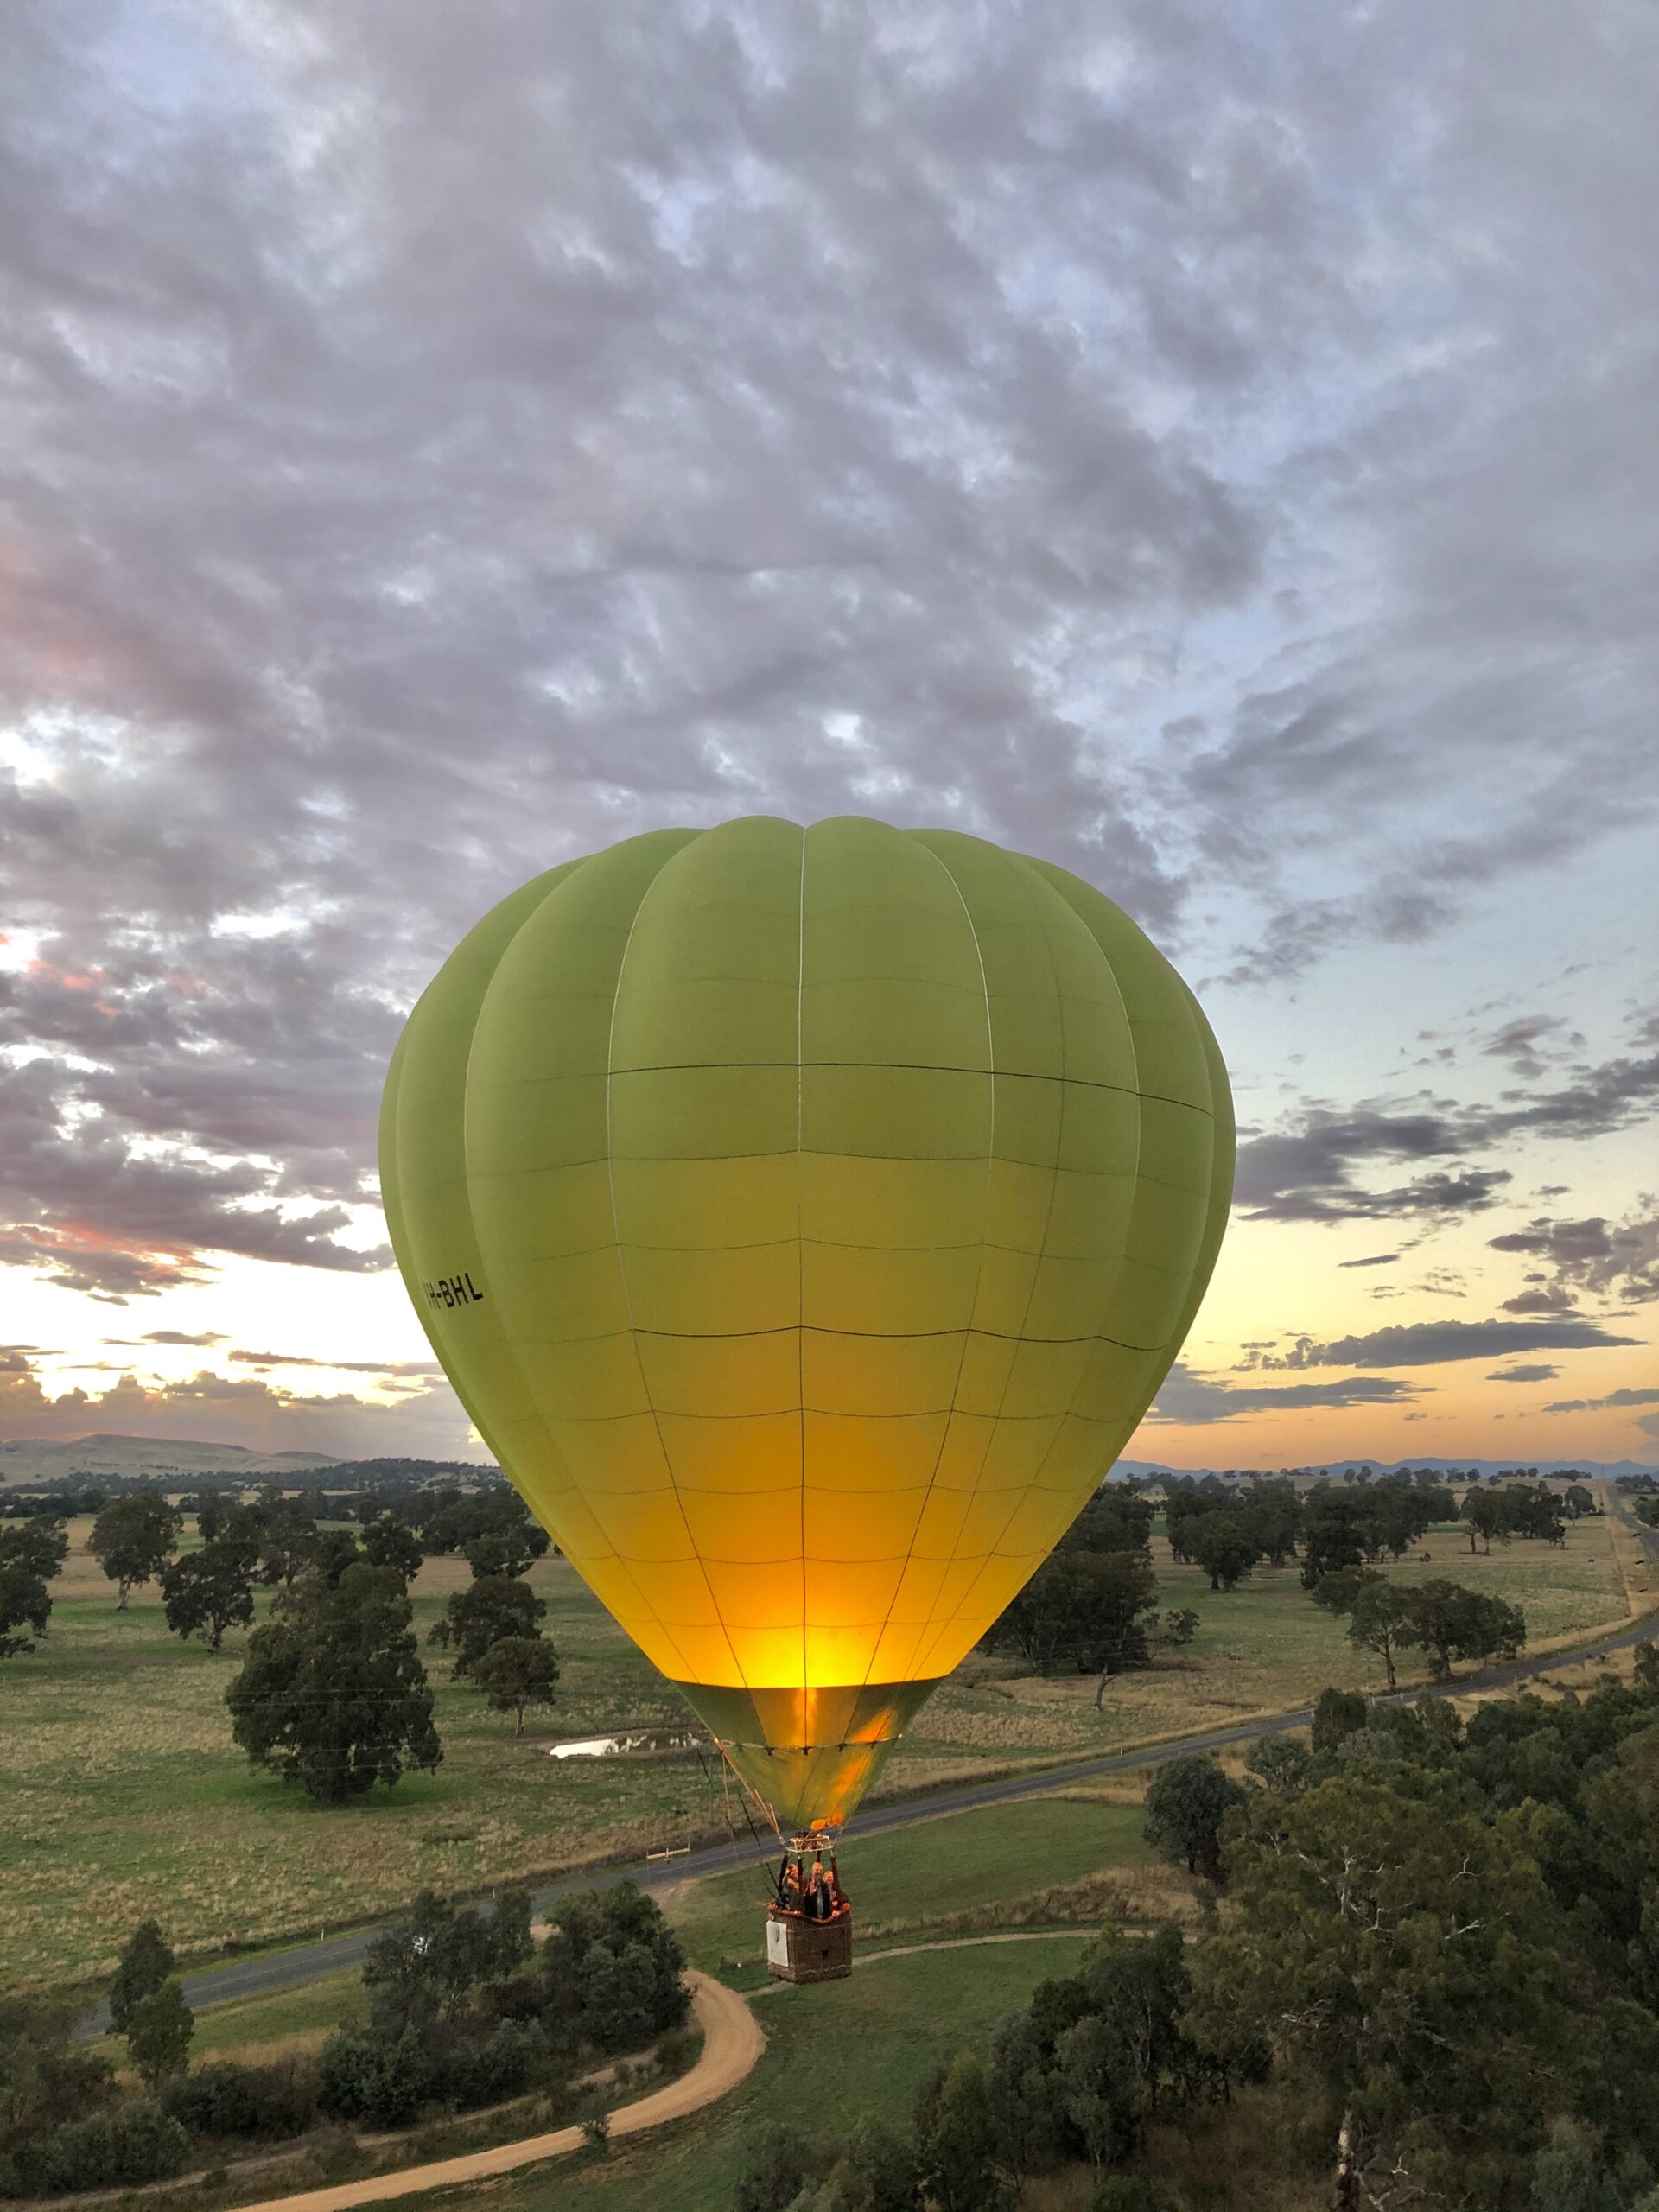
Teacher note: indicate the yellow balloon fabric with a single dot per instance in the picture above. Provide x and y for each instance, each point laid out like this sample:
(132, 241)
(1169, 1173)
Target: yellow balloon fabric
(806, 1219)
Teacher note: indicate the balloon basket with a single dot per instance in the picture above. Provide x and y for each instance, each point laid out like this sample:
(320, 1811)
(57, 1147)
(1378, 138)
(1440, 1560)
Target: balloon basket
(798, 1949)
(809, 1922)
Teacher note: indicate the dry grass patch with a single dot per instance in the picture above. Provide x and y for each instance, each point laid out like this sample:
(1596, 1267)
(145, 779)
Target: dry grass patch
(1125, 1898)
(121, 1794)
(1259, 1650)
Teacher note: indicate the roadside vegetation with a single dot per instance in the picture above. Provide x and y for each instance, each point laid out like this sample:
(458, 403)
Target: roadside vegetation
(460, 2012)
(1040, 1862)
(841, 2057)
(1424, 1977)
(124, 1792)
(1412, 1946)
(1428, 1976)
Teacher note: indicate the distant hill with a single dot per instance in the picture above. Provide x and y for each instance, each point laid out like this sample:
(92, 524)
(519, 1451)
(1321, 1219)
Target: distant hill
(38, 1459)
(1609, 1470)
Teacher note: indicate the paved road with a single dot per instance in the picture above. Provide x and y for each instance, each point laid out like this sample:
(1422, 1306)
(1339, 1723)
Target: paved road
(273, 1970)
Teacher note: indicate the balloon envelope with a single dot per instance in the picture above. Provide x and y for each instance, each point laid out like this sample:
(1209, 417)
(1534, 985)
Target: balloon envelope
(806, 1219)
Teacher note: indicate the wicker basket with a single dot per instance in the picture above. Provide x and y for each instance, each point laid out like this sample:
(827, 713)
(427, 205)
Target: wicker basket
(799, 1950)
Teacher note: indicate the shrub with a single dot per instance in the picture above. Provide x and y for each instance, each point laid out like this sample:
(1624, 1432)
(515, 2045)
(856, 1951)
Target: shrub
(338, 2157)
(146, 1962)
(132, 2144)
(159, 2032)
(1127, 2193)
(1338, 1714)
(679, 2050)
(1187, 1800)
(778, 2163)
(1280, 1763)
(503, 2065)
(382, 2079)
(616, 1991)
(878, 2171)
(45, 2081)
(225, 2099)
(516, 1997)
(612, 1970)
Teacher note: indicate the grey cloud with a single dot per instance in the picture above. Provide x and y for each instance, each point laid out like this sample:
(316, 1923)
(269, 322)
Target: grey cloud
(443, 441)
(1310, 1168)
(166, 1337)
(248, 1410)
(1541, 1302)
(1524, 1374)
(1531, 1042)
(1597, 1405)
(1606, 1098)
(82, 1207)
(1306, 1171)
(390, 1367)
(1189, 1398)
(1567, 1242)
(1291, 940)
(1371, 1260)
(1425, 1344)
(1594, 1255)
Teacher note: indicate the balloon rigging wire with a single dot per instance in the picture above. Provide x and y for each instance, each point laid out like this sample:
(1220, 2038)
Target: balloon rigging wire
(762, 1852)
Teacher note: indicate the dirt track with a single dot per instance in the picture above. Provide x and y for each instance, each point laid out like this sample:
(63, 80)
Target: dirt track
(732, 2042)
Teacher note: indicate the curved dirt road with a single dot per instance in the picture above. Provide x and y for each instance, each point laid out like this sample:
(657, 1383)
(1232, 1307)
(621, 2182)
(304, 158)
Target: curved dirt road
(732, 2042)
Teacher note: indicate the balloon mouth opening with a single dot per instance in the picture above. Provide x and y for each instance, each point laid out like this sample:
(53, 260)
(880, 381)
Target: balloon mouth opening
(809, 1754)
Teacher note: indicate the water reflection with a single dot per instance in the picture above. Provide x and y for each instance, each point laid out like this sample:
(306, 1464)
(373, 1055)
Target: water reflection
(631, 1740)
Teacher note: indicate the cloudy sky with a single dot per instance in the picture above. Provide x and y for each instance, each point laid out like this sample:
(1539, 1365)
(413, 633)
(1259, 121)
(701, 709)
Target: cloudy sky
(1211, 447)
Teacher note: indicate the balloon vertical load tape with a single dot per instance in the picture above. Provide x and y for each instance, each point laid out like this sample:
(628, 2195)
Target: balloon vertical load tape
(806, 1219)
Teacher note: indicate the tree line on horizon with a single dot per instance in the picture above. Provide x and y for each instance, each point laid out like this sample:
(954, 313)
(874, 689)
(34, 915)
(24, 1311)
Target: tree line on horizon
(340, 1637)
(1092, 1606)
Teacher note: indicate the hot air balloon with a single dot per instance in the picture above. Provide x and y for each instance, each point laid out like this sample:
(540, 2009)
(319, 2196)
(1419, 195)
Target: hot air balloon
(806, 1219)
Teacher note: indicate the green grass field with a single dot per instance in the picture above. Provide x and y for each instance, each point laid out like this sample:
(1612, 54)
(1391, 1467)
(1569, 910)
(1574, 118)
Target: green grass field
(847, 2052)
(929, 1873)
(1258, 1649)
(256, 2028)
(837, 2052)
(906, 1883)
(121, 1794)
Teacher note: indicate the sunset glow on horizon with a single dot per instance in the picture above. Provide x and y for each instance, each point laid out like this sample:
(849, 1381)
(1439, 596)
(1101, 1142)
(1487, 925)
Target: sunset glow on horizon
(1220, 464)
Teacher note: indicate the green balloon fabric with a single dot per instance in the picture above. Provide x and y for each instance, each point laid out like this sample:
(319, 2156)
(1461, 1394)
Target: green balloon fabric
(806, 1219)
